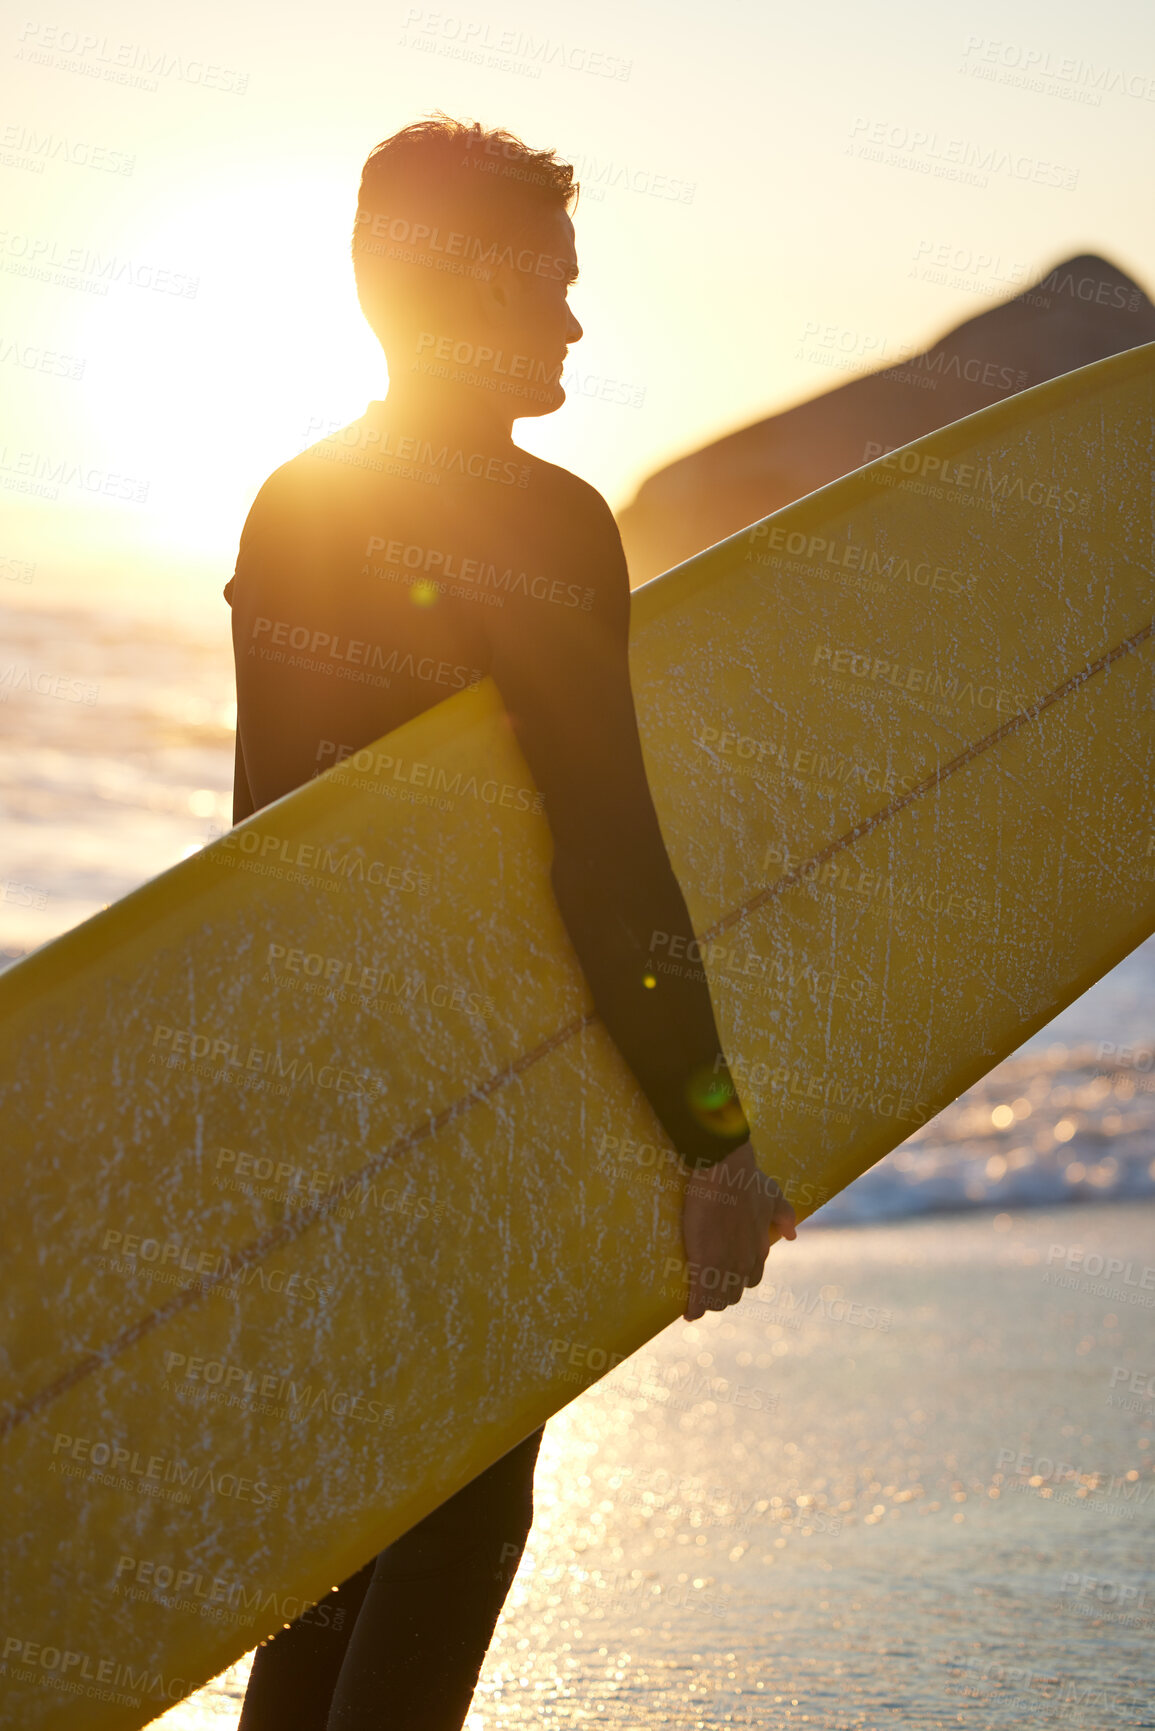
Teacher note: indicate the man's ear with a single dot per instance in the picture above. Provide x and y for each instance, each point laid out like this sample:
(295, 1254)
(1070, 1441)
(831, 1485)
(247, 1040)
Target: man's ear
(493, 298)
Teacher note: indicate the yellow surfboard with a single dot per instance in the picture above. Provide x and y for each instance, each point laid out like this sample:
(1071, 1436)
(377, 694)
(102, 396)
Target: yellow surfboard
(321, 1175)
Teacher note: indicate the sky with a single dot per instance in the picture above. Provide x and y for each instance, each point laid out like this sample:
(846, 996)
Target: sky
(774, 196)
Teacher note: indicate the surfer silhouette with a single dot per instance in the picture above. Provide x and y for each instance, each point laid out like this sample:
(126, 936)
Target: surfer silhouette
(402, 558)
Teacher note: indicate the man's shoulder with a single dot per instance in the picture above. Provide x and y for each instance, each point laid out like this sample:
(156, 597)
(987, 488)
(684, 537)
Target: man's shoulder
(302, 484)
(288, 516)
(575, 510)
(581, 495)
(322, 477)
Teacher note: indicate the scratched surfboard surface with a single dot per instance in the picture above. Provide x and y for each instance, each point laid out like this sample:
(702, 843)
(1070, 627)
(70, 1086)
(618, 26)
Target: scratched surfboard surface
(316, 1149)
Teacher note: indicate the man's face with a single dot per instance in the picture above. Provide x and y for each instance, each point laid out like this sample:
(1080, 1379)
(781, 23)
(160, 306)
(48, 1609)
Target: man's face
(529, 312)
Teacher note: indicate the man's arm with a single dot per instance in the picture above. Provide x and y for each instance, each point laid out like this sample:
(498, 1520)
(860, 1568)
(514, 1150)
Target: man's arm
(563, 673)
(243, 804)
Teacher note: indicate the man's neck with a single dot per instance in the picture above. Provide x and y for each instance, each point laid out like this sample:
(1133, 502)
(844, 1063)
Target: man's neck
(447, 409)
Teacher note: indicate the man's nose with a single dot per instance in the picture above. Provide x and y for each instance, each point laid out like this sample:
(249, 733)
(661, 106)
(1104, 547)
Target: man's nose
(573, 331)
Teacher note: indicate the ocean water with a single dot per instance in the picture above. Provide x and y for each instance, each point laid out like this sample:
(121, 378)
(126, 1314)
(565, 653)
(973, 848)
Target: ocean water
(941, 1510)
(116, 760)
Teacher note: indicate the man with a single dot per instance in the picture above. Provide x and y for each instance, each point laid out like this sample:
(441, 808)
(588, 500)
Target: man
(424, 534)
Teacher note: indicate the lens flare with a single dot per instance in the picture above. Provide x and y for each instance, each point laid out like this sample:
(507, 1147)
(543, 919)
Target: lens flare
(714, 1103)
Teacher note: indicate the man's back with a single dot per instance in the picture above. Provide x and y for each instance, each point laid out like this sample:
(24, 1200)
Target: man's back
(382, 570)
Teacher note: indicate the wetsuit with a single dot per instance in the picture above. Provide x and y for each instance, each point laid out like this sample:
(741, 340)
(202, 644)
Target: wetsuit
(378, 573)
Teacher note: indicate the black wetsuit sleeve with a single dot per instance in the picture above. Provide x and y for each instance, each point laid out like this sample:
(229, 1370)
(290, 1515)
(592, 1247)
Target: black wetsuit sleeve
(563, 673)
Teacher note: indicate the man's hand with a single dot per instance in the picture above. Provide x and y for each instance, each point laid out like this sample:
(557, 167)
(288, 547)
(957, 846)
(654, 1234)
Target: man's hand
(731, 1216)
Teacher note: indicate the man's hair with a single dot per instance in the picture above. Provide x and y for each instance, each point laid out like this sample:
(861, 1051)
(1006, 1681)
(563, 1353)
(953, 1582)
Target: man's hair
(443, 201)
